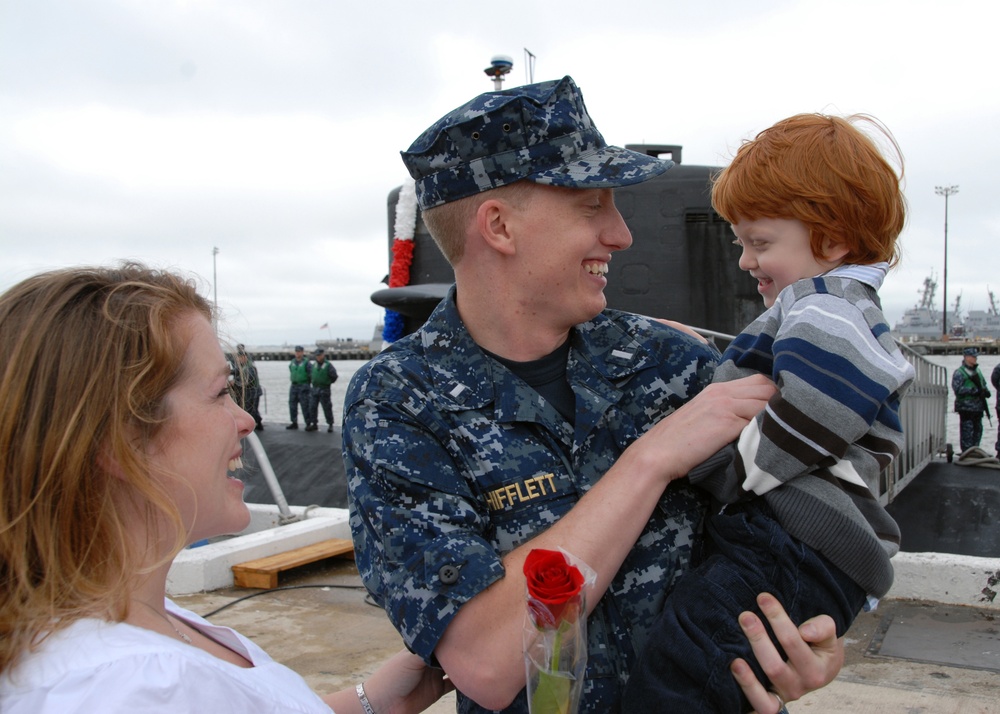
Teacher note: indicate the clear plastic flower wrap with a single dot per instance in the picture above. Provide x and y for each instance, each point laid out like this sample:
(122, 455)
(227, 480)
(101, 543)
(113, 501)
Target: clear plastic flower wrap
(555, 630)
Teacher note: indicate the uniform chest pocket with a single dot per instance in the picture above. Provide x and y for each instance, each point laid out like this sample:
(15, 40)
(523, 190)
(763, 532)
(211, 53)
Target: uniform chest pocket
(524, 506)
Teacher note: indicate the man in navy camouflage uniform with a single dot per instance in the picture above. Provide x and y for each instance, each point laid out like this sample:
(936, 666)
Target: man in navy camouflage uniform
(524, 415)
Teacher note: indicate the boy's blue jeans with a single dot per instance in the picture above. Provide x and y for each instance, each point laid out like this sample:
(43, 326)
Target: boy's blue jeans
(685, 664)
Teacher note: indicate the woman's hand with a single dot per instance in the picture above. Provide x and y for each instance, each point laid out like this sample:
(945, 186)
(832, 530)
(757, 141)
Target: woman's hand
(815, 656)
(405, 685)
(402, 685)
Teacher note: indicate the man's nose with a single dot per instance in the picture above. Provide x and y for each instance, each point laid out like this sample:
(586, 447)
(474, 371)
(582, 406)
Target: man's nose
(616, 234)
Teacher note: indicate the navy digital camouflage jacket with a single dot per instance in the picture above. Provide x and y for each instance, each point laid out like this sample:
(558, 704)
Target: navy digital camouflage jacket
(452, 461)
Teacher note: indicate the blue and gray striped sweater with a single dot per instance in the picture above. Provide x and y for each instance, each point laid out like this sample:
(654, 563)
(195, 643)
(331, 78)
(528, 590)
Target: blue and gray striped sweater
(816, 451)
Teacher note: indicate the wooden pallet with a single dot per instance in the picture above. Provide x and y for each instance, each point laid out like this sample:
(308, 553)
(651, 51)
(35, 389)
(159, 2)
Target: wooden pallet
(262, 573)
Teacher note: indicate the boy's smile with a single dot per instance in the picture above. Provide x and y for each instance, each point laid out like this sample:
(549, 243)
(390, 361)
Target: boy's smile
(777, 252)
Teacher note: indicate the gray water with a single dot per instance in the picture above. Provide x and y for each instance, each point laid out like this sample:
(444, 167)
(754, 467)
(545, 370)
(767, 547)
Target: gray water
(274, 403)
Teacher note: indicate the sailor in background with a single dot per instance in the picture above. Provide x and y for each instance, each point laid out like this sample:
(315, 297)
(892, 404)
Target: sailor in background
(995, 378)
(298, 392)
(246, 385)
(322, 374)
(971, 397)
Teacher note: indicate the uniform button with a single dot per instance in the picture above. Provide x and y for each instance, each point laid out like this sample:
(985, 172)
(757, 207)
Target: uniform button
(448, 574)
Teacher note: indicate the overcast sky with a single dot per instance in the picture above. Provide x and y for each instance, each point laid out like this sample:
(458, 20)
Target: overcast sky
(157, 130)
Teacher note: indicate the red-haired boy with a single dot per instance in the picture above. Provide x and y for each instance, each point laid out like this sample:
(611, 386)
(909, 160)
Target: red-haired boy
(817, 210)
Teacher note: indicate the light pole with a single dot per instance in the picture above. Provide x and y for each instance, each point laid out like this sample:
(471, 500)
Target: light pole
(945, 191)
(215, 282)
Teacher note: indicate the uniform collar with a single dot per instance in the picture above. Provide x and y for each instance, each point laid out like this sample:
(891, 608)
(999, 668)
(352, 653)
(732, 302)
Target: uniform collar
(602, 353)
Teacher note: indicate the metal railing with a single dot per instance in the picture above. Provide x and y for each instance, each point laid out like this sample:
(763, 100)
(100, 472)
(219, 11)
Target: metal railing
(286, 515)
(922, 414)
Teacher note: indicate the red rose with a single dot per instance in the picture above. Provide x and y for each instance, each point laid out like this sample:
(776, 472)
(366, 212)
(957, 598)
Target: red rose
(552, 584)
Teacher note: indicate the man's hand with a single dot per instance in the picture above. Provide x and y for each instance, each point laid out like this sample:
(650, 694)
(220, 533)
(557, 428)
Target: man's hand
(815, 656)
(704, 425)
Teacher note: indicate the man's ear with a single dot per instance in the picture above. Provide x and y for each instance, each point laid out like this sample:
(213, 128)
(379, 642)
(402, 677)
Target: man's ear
(493, 223)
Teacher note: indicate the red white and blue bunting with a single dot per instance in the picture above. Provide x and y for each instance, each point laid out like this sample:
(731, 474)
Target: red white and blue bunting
(402, 255)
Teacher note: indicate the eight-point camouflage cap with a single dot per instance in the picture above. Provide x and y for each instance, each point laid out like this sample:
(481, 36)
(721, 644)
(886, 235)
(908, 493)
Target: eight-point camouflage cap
(540, 132)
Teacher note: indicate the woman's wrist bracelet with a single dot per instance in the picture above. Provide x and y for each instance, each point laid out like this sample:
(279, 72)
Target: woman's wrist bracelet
(365, 704)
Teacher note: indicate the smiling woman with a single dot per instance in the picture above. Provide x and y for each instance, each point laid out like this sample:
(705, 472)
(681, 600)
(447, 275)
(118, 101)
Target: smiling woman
(112, 458)
(201, 442)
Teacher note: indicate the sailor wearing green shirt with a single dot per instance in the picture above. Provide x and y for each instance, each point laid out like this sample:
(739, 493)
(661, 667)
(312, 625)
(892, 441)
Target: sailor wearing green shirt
(298, 393)
(322, 374)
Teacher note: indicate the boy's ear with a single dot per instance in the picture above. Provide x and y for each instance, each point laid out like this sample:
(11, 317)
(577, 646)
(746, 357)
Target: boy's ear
(834, 251)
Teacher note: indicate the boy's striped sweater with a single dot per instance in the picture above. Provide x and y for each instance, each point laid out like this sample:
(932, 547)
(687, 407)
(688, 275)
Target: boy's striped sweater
(816, 451)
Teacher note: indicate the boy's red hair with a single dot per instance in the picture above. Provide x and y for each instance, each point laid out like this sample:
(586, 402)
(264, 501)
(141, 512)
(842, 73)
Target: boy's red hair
(825, 172)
